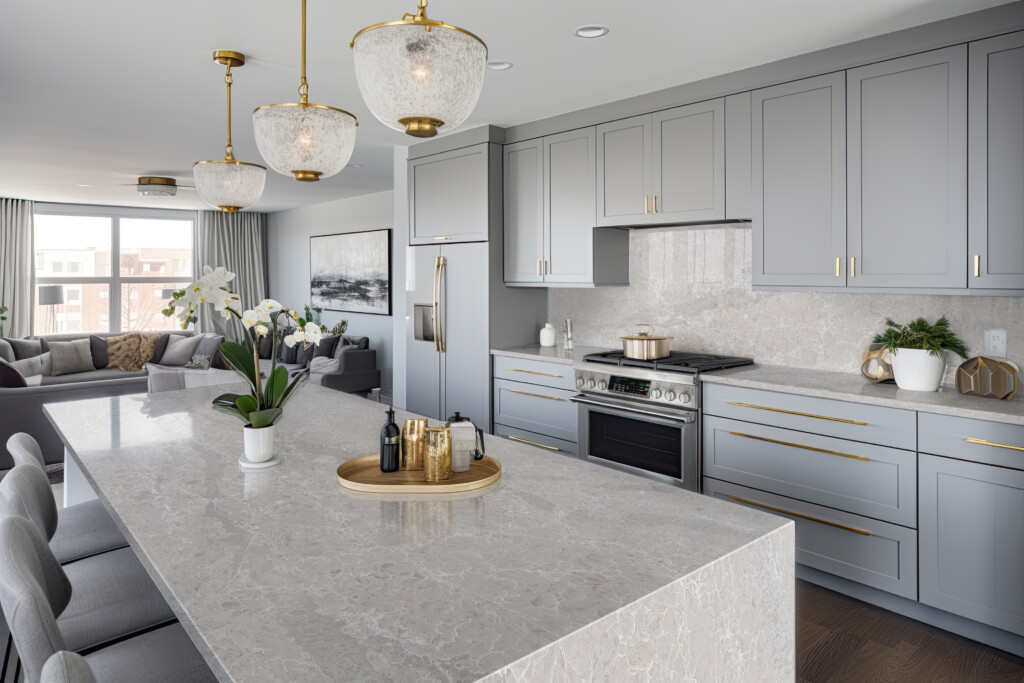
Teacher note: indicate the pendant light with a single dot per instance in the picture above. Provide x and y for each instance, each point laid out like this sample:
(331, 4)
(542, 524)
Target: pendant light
(228, 184)
(308, 141)
(419, 75)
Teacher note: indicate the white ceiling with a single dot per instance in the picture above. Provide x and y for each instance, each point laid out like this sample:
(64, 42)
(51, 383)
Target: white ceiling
(100, 92)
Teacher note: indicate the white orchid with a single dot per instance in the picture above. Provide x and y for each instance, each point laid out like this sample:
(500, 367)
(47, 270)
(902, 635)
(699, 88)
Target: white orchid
(217, 277)
(250, 318)
(309, 334)
(262, 330)
(223, 302)
(269, 308)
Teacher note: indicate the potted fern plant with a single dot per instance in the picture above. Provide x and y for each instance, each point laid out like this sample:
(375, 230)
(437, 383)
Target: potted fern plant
(918, 351)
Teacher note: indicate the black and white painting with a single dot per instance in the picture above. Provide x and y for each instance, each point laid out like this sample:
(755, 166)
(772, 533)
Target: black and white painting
(351, 272)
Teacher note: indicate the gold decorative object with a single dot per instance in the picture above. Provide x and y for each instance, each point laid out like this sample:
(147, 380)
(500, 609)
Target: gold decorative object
(993, 377)
(413, 444)
(363, 474)
(437, 456)
(877, 365)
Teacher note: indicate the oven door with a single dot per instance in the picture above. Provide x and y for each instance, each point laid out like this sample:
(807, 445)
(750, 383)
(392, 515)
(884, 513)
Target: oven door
(657, 442)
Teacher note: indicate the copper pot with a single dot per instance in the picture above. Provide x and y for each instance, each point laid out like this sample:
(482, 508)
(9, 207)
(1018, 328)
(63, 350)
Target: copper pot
(643, 344)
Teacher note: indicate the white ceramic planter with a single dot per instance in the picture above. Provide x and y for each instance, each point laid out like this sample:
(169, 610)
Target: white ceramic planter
(918, 370)
(259, 443)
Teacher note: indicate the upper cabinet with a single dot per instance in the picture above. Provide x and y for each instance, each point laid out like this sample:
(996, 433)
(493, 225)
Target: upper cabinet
(907, 171)
(524, 211)
(996, 163)
(449, 195)
(738, 157)
(798, 190)
(663, 168)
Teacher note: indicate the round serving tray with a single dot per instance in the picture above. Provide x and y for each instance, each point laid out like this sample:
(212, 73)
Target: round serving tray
(363, 474)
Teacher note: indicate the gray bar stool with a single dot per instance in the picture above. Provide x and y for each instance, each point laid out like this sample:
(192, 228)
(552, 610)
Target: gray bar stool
(37, 593)
(82, 530)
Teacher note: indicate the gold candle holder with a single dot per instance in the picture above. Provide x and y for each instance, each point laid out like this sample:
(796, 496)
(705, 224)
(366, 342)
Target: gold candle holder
(413, 444)
(437, 458)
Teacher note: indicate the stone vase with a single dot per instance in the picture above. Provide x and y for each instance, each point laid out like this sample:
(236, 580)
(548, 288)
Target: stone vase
(259, 443)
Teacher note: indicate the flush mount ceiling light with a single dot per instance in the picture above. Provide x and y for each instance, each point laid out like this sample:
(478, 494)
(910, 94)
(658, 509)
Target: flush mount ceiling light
(228, 184)
(305, 140)
(592, 31)
(419, 75)
(157, 186)
(499, 65)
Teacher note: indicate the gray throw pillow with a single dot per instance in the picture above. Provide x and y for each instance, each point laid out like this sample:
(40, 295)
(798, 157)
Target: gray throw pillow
(359, 342)
(6, 352)
(26, 348)
(288, 354)
(98, 346)
(209, 344)
(323, 366)
(71, 357)
(10, 378)
(325, 349)
(179, 350)
(36, 365)
(342, 348)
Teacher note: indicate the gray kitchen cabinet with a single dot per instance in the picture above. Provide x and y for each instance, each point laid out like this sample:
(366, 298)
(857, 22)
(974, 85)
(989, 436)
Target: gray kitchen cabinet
(624, 169)
(569, 186)
(548, 443)
(907, 171)
(523, 179)
(995, 171)
(536, 408)
(738, 157)
(798, 189)
(971, 538)
(449, 195)
(689, 164)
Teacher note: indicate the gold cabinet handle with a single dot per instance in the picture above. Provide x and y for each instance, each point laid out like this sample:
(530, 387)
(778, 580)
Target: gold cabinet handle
(442, 237)
(853, 266)
(977, 265)
(442, 270)
(806, 448)
(797, 514)
(793, 412)
(838, 262)
(982, 442)
(527, 393)
(534, 372)
(434, 307)
(540, 268)
(533, 443)
(654, 202)
(647, 204)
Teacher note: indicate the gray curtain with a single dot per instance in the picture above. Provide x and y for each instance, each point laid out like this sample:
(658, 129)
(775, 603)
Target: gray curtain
(237, 241)
(16, 265)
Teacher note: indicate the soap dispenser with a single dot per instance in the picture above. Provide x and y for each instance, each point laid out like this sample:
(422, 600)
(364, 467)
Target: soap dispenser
(390, 443)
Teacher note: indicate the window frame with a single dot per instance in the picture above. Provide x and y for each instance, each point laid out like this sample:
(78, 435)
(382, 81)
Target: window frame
(115, 279)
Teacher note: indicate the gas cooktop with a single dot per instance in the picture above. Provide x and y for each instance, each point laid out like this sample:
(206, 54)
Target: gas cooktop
(689, 363)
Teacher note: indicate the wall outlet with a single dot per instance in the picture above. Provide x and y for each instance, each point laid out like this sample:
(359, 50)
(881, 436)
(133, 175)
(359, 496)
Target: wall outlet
(995, 343)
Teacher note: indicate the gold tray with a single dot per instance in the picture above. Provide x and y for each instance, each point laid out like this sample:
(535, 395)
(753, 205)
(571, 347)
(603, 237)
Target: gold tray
(363, 474)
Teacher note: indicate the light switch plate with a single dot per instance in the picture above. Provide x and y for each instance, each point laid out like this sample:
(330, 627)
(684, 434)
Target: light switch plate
(995, 343)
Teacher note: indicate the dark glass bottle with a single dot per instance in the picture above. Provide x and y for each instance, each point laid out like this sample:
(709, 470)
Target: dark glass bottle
(390, 442)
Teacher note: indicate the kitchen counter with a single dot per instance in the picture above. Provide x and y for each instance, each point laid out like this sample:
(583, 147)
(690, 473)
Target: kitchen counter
(853, 387)
(560, 571)
(551, 354)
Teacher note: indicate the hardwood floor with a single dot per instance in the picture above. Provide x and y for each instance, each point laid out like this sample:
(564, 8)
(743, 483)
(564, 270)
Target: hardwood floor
(839, 639)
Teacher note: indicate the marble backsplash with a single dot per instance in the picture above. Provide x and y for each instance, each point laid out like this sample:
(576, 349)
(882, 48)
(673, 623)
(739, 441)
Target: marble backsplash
(694, 284)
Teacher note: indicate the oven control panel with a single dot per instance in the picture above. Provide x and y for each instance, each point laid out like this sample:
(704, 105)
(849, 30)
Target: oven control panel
(656, 390)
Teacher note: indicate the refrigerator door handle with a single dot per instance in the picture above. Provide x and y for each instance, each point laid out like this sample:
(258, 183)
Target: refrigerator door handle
(442, 271)
(435, 294)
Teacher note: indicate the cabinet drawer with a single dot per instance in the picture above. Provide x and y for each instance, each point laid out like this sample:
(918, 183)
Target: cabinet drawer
(554, 375)
(864, 479)
(993, 443)
(536, 409)
(540, 440)
(841, 419)
(867, 551)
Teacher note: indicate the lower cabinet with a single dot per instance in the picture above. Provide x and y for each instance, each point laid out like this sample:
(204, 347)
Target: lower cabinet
(544, 441)
(972, 540)
(532, 403)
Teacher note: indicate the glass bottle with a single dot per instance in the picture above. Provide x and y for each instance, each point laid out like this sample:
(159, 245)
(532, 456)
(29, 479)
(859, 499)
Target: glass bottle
(390, 442)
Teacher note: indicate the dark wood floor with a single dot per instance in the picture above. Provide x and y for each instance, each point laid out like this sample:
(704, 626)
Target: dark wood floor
(842, 639)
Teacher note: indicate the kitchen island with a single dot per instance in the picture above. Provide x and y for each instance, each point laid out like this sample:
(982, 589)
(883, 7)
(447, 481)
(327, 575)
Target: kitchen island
(560, 571)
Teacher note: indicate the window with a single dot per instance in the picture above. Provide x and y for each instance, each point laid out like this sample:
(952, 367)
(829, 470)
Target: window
(115, 269)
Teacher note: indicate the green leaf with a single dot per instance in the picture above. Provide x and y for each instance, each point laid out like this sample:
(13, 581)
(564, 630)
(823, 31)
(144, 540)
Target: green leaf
(265, 418)
(276, 385)
(297, 383)
(233, 410)
(226, 400)
(247, 404)
(241, 361)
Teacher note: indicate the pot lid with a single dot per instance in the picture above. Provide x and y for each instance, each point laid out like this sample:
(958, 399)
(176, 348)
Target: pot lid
(644, 336)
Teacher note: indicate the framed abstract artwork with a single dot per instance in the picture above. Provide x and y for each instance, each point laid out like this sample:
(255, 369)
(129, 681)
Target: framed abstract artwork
(351, 272)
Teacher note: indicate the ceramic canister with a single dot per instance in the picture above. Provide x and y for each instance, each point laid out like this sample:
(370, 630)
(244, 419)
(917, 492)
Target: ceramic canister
(413, 444)
(437, 457)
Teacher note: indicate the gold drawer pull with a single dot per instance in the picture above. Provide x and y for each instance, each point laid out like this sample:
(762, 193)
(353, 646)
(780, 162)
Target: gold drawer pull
(533, 443)
(793, 412)
(647, 204)
(853, 266)
(982, 442)
(527, 393)
(797, 514)
(534, 372)
(838, 260)
(977, 265)
(806, 448)
(442, 237)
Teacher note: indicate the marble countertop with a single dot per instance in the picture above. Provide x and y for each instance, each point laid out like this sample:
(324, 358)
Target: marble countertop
(853, 387)
(551, 354)
(282, 573)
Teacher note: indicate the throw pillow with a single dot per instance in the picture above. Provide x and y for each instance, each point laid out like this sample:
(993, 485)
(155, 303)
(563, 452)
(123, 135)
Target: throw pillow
(27, 348)
(6, 352)
(123, 352)
(71, 357)
(36, 365)
(161, 346)
(10, 378)
(209, 344)
(147, 347)
(287, 354)
(266, 346)
(325, 349)
(342, 348)
(304, 353)
(359, 342)
(179, 350)
(98, 346)
(323, 366)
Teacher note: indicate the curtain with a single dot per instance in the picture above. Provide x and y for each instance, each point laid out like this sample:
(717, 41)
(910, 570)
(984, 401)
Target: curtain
(237, 241)
(16, 266)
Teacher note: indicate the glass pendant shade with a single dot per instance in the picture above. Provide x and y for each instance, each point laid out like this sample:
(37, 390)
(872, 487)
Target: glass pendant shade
(419, 76)
(229, 185)
(307, 141)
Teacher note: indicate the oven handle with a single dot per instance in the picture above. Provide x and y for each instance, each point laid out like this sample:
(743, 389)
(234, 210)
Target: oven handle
(685, 418)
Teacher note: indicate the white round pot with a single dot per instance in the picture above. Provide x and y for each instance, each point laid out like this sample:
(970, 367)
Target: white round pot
(917, 369)
(259, 443)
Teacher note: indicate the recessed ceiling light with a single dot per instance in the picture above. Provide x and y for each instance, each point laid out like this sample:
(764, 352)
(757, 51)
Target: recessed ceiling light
(591, 31)
(82, 185)
(499, 65)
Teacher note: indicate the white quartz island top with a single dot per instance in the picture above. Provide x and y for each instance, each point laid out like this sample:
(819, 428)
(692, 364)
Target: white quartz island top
(560, 571)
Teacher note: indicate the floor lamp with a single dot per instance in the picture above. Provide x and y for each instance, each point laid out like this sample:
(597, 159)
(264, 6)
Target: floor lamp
(51, 295)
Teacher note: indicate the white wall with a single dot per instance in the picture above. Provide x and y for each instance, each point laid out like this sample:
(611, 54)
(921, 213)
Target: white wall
(288, 234)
